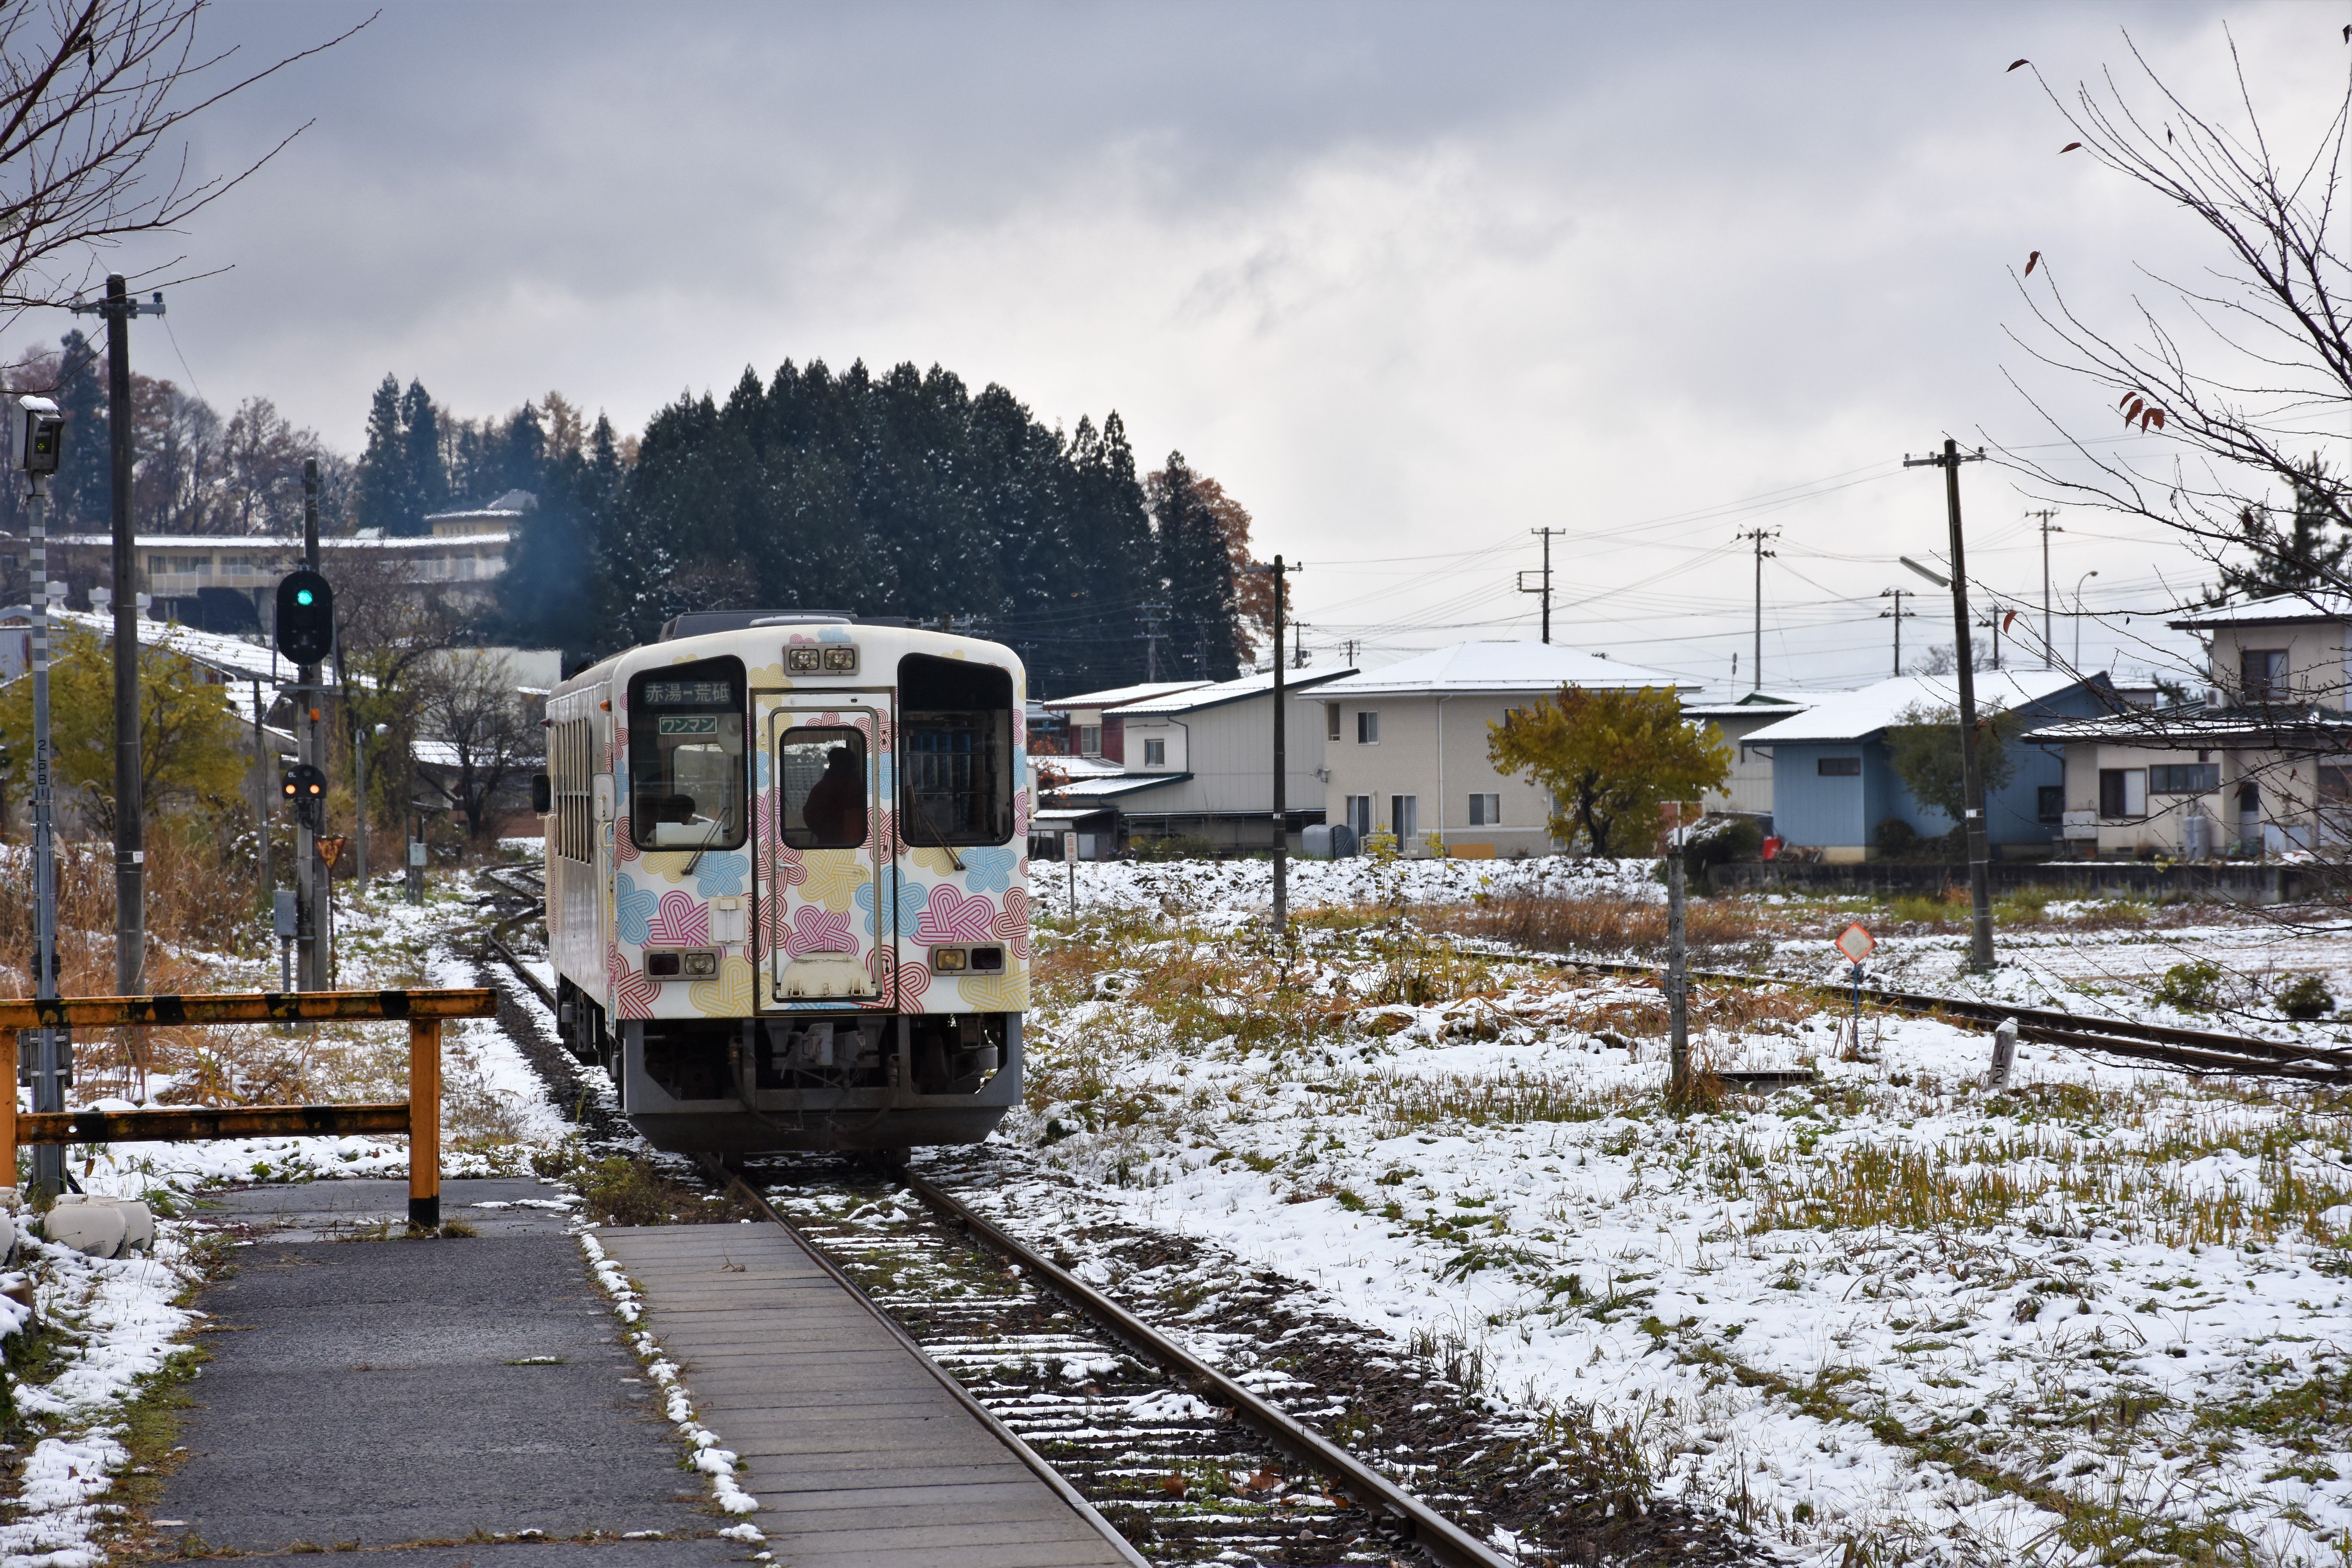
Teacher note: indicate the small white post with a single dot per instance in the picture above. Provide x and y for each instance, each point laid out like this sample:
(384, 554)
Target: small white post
(2004, 1054)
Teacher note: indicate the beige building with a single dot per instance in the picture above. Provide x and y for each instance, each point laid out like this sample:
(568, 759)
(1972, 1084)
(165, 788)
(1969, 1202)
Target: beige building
(1404, 747)
(2261, 766)
(225, 583)
(1748, 791)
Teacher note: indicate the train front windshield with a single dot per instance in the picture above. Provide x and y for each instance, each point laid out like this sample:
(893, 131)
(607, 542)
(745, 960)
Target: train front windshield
(687, 778)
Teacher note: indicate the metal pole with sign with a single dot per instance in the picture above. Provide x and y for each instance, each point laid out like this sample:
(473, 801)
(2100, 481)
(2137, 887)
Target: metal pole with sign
(1070, 859)
(1856, 944)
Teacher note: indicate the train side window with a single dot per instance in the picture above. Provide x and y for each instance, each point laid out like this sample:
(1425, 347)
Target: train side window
(686, 756)
(955, 752)
(821, 789)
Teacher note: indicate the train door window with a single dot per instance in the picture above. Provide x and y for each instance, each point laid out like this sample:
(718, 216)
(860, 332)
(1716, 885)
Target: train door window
(821, 788)
(686, 756)
(955, 751)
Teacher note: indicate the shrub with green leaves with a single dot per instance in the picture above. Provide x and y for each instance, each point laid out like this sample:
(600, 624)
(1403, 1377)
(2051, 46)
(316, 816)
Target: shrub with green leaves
(2193, 987)
(2306, 996)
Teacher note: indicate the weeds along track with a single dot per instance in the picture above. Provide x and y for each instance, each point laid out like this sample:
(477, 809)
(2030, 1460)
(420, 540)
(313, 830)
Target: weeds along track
(1191, 1463)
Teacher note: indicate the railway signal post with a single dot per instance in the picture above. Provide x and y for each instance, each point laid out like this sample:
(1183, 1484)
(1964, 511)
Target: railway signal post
(36, 435)
(305, 633)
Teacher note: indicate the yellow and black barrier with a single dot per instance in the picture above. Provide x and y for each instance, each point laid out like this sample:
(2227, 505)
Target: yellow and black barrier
(419, 1115)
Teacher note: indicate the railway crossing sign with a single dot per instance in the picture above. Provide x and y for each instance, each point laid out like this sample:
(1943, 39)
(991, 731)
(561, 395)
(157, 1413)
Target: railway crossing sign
(1855, 942)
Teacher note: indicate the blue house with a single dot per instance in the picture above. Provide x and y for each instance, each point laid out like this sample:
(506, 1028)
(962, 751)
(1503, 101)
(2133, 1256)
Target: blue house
(1834, 782)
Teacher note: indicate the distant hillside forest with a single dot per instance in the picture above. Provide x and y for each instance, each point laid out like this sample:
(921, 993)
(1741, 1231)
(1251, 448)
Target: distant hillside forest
(897, 495)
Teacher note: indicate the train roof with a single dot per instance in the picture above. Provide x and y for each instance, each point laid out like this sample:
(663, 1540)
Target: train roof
(759, 638)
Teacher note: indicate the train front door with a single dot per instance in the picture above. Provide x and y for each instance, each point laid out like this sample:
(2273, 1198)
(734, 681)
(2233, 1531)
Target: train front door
(829, 928)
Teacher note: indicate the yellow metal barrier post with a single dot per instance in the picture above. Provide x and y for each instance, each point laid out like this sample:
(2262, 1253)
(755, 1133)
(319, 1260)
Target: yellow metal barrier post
(8, 1112)
(424, 1124)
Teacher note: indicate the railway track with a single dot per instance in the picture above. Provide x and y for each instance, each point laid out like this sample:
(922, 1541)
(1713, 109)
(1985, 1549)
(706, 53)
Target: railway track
(2188, 1050)
(1193, 1462)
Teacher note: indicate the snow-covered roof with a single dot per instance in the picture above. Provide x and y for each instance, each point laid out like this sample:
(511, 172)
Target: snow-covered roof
(2278, 609)
(1113, 786)
(1507, 668)
(267, 542)
(1747, 704)
(1078, 767)
(514, 503)
(230, 656)
(2197, 726)
(1223, 691)
(1120, 696)
(1858, 715)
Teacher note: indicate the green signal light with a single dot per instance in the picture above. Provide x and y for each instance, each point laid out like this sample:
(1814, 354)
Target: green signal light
(304, 597)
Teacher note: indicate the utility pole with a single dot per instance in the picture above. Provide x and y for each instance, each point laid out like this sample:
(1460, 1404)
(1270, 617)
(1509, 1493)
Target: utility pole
(1350, 656)
(1756, 671)
(2048, 528)
(1972, 777)
(1544, 586)
(1281, 769)
(1898, 614)
(1151, 613)
(130, 808)
(1993, 619)
(358, 789)
(1677, 956)
(1297, 645)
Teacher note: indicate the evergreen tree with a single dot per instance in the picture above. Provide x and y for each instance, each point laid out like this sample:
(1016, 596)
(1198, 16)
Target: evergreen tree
(1196, 573)
(385, 482)
(429, 465)
(2308, 556)
(84, 487)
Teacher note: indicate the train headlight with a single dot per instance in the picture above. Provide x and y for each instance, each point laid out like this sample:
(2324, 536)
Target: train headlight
(948, 960)
(701, 965)
(803, 661)
(840, 660)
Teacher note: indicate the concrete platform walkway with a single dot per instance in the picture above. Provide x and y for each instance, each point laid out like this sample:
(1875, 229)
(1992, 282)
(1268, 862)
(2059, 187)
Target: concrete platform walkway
(860, 1455)
(425, 1394)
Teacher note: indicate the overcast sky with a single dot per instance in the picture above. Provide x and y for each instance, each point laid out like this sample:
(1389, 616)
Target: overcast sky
(1409, 279)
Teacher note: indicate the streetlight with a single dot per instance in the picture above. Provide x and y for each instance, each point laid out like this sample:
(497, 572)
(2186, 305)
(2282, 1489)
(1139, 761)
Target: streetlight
(2078, 621)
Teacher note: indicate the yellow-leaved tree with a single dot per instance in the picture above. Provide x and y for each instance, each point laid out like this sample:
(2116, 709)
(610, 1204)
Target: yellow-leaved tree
(192, 753)
(1609, 759)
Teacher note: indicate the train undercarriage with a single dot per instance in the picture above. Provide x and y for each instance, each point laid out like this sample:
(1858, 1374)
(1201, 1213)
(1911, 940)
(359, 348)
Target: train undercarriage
(806, 1081)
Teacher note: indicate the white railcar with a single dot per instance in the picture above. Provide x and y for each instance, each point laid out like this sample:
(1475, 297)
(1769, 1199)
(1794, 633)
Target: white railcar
(787, 881)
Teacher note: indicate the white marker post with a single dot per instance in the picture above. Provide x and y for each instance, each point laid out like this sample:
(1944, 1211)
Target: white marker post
(1070, 859)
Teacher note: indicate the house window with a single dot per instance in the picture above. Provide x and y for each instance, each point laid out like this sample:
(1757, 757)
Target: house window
(1090, 740)
(1486, 811)
(2050, 803)
(1839, 767)
(1359, 816)
(1368, 727)
(1404, 816)
(1331, 720)
(2123, 793)
(2185, 778)
(2262, 673)
(1155, 754)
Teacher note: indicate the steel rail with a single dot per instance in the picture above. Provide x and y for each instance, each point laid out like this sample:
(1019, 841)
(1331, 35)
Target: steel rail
(1053, 1479)
(2195, 1050)
(1446, 1543)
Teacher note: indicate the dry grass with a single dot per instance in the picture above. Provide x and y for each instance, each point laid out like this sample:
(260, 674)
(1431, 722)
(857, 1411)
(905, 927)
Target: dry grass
(1717, 931)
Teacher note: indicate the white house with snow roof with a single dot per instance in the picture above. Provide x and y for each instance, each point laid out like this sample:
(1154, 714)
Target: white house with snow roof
(1404, 747)
(1198, 761)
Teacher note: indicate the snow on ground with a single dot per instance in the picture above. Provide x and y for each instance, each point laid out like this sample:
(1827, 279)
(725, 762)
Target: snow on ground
(123, 1319)
(1887, 1317)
